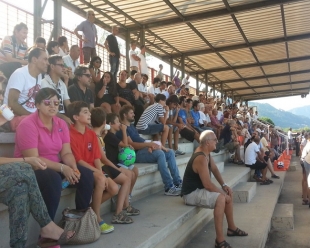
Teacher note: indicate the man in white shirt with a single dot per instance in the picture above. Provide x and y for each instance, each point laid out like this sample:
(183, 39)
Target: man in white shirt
(160, 74)
(132, 76)
(186, 82)
(151, 89)
(56, 71)
(72, 59)
(142, 63)
(23, 85)
(142, 87)
(162, 89)
(134, 59)
(254, 160)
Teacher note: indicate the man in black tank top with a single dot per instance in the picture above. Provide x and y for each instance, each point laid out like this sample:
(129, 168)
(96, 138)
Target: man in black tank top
(198, 189)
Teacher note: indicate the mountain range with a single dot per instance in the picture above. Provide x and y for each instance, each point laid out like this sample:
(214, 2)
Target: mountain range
(295, 118)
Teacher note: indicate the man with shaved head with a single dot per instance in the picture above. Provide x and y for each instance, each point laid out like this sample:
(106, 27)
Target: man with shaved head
(198, 189)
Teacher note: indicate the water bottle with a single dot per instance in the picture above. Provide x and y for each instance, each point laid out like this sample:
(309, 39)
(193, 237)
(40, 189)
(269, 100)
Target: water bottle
(65, 183)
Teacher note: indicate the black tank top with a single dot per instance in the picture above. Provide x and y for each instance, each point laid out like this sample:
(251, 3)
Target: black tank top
(191, 179)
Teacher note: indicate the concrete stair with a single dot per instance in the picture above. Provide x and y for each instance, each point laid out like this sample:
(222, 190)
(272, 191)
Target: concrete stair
(283, 217)
(244, 192)
(253, 217)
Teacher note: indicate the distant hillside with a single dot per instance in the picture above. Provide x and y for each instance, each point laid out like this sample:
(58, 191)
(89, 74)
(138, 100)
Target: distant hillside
(280, 117)
(303, 111)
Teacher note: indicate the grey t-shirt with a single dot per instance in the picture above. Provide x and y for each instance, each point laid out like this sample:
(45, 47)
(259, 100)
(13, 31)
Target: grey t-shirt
(89, 32)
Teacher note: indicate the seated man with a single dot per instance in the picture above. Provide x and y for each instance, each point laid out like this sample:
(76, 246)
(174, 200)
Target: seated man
(142, 87)
(79, 90)
(23, 85)
(196, 116)
(230, 143)
(198, 189)
(151, 152)
(153, 119)
(254, 160)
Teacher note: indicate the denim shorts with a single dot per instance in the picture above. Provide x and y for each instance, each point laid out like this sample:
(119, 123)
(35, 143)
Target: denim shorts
(152, 129)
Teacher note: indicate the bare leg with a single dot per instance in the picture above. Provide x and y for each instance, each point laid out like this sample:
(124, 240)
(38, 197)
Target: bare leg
(52, 231)
(176, 139)
(264, 172)
(111, 190)
(218, 217)
(170, 137)
(270, 167)
(164, 135)
(122, 197)
(100, 185)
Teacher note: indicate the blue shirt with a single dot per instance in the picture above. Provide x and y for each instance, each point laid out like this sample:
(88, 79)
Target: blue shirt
(196, 117)
(132, 132)
(183, 115)
(89, 33)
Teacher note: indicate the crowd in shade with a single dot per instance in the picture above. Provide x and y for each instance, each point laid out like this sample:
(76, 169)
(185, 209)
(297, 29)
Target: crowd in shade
(71, 119)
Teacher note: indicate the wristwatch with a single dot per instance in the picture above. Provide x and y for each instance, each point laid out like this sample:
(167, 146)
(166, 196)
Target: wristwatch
(224, 185)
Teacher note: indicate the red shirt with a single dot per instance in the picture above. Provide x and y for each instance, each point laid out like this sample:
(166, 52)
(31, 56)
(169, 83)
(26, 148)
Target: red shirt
(84, 146)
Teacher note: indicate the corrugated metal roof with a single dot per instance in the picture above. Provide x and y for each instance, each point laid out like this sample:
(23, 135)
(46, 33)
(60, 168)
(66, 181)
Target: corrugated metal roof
(257, 48)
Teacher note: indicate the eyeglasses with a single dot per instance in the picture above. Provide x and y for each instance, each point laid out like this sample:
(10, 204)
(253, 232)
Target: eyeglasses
(61, 65)
(49, 102)
(87, 75)
(214, 139)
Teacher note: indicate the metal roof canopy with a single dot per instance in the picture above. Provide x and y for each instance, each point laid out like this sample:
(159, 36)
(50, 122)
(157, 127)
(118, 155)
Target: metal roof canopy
(261, 47)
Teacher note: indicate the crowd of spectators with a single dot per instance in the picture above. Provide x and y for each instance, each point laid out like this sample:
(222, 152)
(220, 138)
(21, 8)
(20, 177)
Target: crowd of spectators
(61, 110)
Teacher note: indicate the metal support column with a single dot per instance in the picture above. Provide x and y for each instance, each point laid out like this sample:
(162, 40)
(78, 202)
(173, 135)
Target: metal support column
(197, 84)
(213, 90)
(183, 66)
(37, 19)
(57, 19)
(171, 68)
(206, 81)
(127, 42)
(222, 93)
(142, 36)
(232, 96)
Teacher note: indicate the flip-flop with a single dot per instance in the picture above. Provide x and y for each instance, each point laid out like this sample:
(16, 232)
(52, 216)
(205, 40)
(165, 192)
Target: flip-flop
(236, 232)
(63, 239)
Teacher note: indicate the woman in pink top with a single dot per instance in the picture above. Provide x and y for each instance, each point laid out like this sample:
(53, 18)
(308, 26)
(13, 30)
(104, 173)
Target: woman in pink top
(215, 123)
(44, 135)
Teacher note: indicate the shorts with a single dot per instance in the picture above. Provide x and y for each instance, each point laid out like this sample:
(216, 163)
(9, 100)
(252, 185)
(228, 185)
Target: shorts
(152, 129)
(257, 166)
(303, 167)
(230, 146)
(201, 198)
(187, 134)
(88, 53)
(112, 172)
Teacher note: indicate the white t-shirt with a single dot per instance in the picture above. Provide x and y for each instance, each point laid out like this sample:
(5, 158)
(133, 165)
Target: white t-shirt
(289, 134)
(251, 154)
(219, 114)
(151, 90)
(27, 85)
(69, 62)
(61, 52)
(208, 118)
(185, 82)
(61, 89)
(142, 88)
(143, 64)
(202, 117)
(133, 62)
(164, 92)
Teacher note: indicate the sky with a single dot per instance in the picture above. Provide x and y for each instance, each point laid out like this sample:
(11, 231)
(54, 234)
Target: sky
(71, 20)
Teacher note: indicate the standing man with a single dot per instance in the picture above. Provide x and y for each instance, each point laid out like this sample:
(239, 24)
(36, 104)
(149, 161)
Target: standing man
(186, 82)
(198, 189)
(112, 46)
(24, 84)
(160, 74)
(142, 62)
(89, 36)
(133, 57)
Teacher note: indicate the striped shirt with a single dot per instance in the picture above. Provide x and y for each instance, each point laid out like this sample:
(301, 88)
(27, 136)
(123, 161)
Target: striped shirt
(8, 47)
(150, 116)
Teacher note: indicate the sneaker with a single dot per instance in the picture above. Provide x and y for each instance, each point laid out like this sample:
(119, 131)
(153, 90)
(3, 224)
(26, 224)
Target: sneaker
(275, 176)
(121, 218)
(173, 191)
(178, 186)
(105, 228)
(130, 210)
(179, 152)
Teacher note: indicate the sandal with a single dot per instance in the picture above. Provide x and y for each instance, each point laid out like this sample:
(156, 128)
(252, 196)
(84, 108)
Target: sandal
(268, 180)
(305, 202)
(236, 232)
(265, 182)
(130, 210)
(63, 239)
(223, 244)
(121, 218)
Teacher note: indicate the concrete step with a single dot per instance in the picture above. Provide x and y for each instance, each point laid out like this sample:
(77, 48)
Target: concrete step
(244, 192)
(164, 221)
(253, 217)
(283, 217)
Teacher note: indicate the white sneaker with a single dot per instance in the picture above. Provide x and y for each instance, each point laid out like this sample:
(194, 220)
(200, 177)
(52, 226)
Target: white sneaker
(179, 152)
(173, 191)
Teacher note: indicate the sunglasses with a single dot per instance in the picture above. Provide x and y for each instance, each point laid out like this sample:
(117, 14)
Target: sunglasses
(49, 102)
(87, 75)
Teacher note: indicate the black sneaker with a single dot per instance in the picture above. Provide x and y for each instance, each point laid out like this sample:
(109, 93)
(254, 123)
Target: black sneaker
(275, 176)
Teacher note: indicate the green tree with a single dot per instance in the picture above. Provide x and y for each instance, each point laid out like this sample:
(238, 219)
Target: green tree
(267, 119)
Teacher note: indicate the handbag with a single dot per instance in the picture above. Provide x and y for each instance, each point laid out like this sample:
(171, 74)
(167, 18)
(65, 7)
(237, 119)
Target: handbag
(83, 222)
